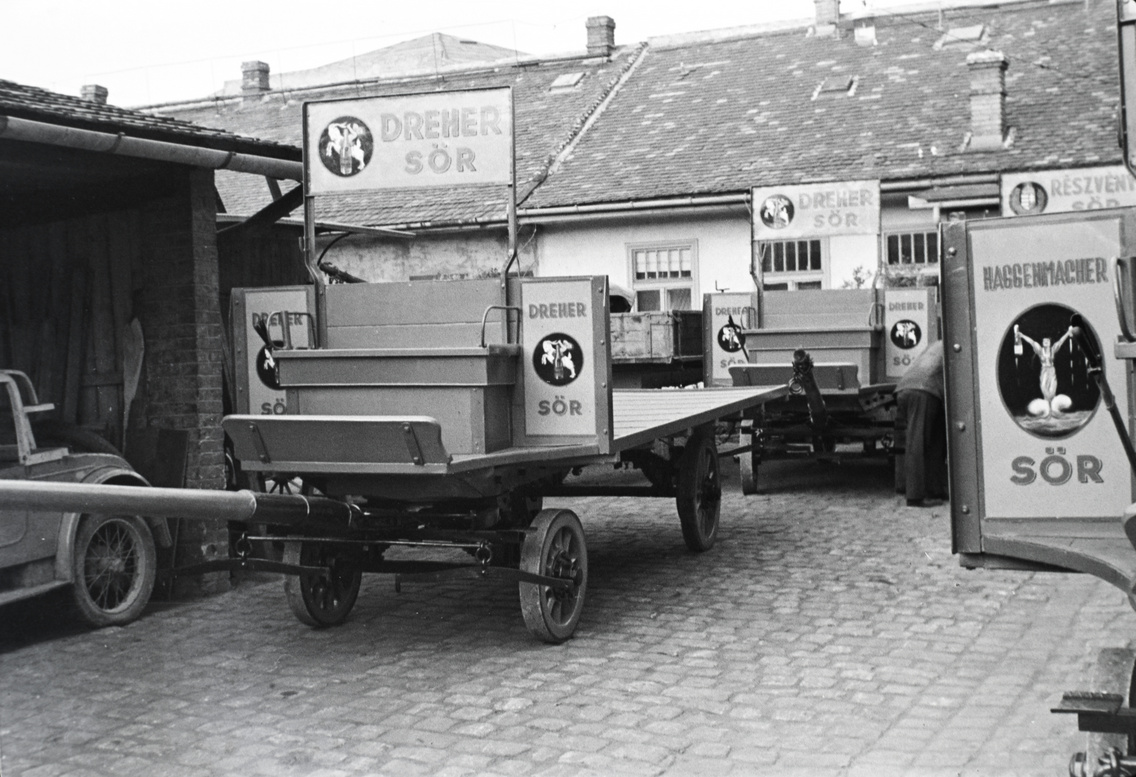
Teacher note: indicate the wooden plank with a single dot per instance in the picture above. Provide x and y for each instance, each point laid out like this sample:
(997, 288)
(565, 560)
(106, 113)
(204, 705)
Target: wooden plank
(18, 303)
(424, 302)
(817, 308)
(1112, 559)
(59, 311)
(456, 335)
(76, 342)
(642, 415)
(106, 334)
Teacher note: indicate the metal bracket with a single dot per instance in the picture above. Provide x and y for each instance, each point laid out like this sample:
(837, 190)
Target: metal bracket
(258, 444)
(1104, 713)
(412, 446)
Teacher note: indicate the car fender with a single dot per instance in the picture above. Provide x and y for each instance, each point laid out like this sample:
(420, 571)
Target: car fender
(117, 473)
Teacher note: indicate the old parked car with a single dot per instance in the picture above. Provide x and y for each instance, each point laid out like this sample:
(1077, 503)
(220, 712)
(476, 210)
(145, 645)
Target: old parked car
(109, 562)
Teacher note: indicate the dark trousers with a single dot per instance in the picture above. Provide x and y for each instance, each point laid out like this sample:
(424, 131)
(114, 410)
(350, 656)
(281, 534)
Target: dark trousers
(925, 462)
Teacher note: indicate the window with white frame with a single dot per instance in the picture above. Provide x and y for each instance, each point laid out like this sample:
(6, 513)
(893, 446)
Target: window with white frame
(792, 264)
(663, 275)
(916, 249)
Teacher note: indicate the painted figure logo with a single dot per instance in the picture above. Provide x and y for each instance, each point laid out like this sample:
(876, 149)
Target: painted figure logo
(777, 211)
(266, 368)
(906, 334)
(1028, 198)
(558, 359)
(345, 146)
(730, 337)
(1043, 376)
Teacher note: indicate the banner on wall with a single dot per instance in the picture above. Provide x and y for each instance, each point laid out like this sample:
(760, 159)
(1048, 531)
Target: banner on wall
(1066, 191)
(816, 210)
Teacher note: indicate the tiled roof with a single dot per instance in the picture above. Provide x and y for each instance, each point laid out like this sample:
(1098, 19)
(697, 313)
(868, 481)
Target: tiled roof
(723, 116)
(29, 102)
(721, 113)
(545, 122)
(428, 54)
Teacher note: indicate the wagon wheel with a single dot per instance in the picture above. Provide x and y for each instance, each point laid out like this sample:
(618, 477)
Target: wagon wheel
(554, 547)
(113, 566)
(748, 464)
(324, 598)
(699, 497)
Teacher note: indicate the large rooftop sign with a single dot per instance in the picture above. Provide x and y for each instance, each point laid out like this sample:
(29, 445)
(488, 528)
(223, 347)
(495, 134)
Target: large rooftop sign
(409, 141)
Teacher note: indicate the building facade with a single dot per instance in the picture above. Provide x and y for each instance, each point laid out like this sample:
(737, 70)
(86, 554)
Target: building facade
(821, 154)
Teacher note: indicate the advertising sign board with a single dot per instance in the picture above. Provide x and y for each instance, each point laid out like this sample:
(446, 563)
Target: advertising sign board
(725, 317)
(1066, 191)
(566, 366)
(816, 210)
(257, 391)
(409, 141)
(1043, 443)
(910, 320)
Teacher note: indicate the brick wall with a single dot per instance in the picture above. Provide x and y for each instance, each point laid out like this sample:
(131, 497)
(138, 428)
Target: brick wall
(180, 314)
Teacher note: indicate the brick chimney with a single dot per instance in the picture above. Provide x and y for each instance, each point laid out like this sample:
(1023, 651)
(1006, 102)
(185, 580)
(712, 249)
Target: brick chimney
(254, 78)
(827, 18)
(601, 36)
(987, 99)
(93, 93)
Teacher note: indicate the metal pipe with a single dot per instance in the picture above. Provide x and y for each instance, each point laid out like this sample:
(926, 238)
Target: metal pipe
(13, 128)
(632, 205)
(276, 509)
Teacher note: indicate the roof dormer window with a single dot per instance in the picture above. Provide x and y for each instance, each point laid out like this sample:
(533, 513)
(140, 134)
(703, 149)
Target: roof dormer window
(835, 86)
(566, 82)
(961, 37)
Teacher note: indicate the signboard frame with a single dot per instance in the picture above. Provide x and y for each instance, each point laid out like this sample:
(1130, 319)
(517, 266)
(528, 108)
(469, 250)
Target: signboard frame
(248, 396)
(718, 309)
(597, 363)
(310, 195)
(984, 531)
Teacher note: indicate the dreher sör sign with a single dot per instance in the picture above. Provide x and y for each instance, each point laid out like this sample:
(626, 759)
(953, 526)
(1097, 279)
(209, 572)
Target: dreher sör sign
(409, 141)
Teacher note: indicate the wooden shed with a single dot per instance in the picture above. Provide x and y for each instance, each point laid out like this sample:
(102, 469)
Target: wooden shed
(110, 282)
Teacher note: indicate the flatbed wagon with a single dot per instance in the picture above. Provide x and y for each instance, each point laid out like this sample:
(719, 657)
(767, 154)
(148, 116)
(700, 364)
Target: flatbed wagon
(458, 441)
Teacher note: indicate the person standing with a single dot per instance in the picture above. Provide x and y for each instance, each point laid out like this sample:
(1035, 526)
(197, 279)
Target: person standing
(919, 396)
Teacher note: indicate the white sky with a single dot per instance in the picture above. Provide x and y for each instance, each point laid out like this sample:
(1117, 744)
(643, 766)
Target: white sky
(154, 51)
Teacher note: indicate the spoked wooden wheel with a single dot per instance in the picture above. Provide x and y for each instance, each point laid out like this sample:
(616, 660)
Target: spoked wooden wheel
(321, 599)
(699, 497)
(114, 566)
(554, 547)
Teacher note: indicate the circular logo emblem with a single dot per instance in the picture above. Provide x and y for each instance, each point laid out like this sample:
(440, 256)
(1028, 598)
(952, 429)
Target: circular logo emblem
(345, 146)
(558, 359)
(777, 211)
(266, 369)
(906, 334)
(1043, 375)
(730, 337)
(1028, 198)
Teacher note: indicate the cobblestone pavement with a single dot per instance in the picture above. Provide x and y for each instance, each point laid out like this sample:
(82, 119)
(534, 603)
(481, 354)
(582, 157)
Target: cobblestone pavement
(830, 632)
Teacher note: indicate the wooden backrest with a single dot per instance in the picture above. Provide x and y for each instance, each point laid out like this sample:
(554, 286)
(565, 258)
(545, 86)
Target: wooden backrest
(416, 314)
(823, 309)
